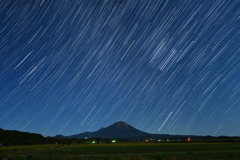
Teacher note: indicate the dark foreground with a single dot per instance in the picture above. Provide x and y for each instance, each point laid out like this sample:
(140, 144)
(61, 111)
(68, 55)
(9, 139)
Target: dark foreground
(131, 151)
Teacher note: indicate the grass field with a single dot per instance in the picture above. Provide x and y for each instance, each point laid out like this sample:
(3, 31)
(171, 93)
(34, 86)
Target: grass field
(126, 151)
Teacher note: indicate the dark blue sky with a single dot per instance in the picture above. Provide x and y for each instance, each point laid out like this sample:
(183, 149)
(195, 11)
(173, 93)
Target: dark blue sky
(162, 66)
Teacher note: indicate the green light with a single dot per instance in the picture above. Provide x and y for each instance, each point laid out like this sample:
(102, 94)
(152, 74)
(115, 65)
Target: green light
(93, 141)
(114, 141)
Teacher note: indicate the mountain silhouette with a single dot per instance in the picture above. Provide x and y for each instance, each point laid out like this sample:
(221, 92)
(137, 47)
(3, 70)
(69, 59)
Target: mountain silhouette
(122, 130)
(117, 130)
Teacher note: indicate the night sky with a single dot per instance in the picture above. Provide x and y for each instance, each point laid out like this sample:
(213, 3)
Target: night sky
(163, 66)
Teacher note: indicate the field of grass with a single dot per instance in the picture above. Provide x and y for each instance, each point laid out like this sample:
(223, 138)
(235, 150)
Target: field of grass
(126, 151)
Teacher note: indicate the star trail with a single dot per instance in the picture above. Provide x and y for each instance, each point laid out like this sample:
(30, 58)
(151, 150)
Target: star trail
(163, 66)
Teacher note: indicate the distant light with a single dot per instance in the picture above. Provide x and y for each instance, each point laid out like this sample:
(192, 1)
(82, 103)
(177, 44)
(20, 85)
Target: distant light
(93, 141)
(114, 141)
(146, 140)
(189, 139)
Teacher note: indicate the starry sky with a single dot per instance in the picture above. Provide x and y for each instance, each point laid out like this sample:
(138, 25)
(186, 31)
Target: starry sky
(163, 66)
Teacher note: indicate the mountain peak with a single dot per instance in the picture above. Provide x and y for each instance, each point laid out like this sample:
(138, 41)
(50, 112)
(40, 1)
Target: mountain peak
(121, 124)
(116, 130)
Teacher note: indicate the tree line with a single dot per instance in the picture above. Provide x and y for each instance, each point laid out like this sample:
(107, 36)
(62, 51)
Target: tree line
(13, 137)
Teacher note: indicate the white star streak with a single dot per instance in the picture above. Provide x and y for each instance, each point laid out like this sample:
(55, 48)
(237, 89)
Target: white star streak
(127, 50)
(88, 115)
(165, 121)
(169, 58)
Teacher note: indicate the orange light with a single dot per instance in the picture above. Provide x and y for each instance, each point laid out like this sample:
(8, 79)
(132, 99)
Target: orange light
(188, 139)
(146, 140)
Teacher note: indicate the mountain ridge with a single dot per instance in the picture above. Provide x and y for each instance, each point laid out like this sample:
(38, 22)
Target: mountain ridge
(122, 130)
(116, 130)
